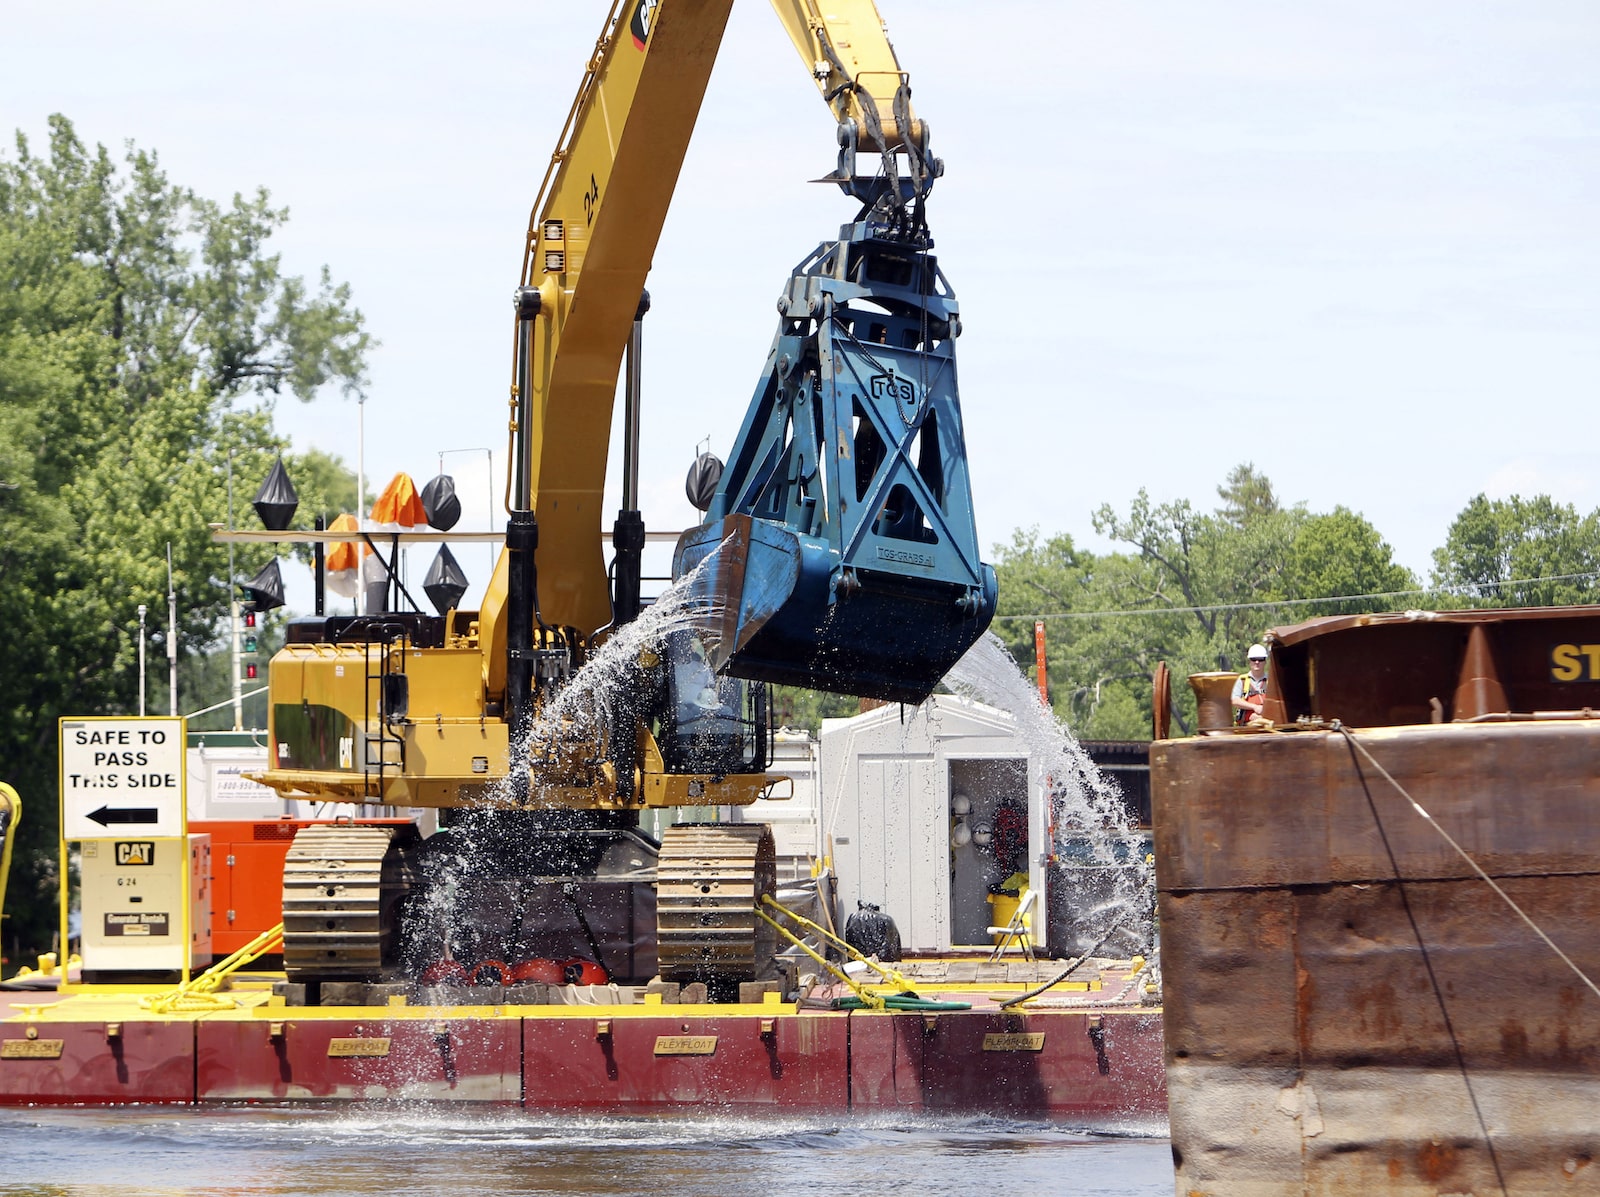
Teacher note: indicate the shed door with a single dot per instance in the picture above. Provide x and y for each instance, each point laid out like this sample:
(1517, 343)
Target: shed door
(988, 849)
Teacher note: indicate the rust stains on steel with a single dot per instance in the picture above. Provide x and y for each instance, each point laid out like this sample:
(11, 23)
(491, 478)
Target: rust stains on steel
(1351, 1008)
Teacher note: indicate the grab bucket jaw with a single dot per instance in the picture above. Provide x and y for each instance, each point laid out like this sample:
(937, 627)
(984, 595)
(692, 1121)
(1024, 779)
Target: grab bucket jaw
(779, 607)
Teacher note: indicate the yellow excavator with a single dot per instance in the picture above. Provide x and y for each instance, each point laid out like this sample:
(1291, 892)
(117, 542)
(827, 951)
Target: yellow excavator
(838, 552)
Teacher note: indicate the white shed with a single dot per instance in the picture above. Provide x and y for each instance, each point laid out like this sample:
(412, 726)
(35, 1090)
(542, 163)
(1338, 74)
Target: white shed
(925, 808)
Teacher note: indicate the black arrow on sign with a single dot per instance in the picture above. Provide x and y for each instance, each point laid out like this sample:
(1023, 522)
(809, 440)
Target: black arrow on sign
(106, 816)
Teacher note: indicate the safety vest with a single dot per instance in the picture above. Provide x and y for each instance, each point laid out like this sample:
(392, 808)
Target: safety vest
(1240, 715)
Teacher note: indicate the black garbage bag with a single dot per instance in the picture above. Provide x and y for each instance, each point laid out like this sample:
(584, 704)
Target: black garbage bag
(445, 583)
(440, 504)
(704, 477)
(277, 499)
(872, 933)
(266, 588)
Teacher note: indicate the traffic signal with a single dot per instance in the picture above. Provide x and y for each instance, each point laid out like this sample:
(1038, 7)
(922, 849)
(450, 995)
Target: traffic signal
(249, 643)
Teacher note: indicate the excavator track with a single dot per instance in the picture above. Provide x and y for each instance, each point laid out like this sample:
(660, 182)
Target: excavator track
(342, 887)
(709, 880)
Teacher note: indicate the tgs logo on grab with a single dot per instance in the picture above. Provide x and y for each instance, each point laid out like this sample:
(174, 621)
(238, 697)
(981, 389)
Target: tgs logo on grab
(890, 385)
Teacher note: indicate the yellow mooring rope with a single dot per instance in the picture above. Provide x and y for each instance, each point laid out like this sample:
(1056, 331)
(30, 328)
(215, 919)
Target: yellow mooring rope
(200, 994)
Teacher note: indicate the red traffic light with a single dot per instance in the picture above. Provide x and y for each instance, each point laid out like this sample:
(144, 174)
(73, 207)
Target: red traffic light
(250, 672)
(249, 619)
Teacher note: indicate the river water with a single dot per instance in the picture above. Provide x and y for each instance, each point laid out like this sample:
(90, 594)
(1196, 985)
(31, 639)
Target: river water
(410, 1151)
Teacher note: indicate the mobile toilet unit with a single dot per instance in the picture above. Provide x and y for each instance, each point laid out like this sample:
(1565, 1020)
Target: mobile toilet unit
(924, 808)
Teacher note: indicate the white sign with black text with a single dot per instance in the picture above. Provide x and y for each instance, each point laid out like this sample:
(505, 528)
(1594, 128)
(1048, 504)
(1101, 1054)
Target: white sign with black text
(122, 777)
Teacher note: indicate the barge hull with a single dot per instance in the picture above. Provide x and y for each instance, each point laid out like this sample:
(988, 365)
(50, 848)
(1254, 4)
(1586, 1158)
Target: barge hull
(1095, 1069)
(1350, 1008)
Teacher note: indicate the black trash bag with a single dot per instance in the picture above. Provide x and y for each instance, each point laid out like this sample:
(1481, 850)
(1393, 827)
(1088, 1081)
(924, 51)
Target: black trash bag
(266, 588)
(276, 501)
(445, 583)
(872, 933)
(704, 477)
(439, 503)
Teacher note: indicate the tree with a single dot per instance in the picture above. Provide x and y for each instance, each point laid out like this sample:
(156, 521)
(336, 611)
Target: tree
(1520, 552)
(1195, 591)
(1340, 553)
(1208, 575)
(799, 709)
(1088, 676)
(144, 332)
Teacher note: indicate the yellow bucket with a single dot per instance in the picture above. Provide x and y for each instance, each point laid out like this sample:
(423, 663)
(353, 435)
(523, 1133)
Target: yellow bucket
(1002, 909)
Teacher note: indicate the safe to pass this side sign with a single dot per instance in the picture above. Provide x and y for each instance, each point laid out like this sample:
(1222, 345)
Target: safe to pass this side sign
(122, 777)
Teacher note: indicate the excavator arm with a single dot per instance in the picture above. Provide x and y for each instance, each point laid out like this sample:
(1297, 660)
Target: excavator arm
(845, 46)
(591, 236)
(594, 228)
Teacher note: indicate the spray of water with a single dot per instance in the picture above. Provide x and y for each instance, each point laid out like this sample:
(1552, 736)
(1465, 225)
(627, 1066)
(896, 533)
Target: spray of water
(476, 902)
(596, 701)
(1101, 852)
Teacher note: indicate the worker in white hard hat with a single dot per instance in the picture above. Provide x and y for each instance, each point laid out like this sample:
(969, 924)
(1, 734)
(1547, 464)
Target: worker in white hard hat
(1250, 691)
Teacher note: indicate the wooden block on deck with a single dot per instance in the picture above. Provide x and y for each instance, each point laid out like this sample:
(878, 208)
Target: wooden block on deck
(379, 993)
(750, 991)
(669, 991)
(344, 993)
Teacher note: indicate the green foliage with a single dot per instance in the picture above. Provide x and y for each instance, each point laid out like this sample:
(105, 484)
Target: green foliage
(144, 331)
(1194, 591)
(327, 486)
(1517, 540)
(1340, 553)
(804, 710)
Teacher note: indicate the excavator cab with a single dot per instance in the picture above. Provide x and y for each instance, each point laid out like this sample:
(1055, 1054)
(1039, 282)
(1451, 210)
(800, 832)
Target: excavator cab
(840, 549)
(710, 723)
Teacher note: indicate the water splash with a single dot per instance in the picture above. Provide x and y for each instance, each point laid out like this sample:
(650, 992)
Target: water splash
(482, 899)
(1099, 850)
(601, 693)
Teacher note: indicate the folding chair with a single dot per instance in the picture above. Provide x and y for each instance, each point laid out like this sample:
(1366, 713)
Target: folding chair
(1017, 930)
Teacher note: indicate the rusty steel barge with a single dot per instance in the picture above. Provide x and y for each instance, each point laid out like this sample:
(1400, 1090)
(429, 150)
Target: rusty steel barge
(1380, 913)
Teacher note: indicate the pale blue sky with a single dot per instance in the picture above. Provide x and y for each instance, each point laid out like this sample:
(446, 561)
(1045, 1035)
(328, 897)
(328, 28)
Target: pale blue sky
(1355, 243)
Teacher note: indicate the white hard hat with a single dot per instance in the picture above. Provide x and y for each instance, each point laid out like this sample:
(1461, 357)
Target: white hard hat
(1257, 652)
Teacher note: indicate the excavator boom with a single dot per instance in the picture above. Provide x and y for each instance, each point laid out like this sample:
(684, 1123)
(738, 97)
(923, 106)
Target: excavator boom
(591, 237)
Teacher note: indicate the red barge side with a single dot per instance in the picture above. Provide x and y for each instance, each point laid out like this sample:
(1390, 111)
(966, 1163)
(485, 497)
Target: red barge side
(1089, 1064)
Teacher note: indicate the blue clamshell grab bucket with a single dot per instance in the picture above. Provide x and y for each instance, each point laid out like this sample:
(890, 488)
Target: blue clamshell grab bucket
(840, 550)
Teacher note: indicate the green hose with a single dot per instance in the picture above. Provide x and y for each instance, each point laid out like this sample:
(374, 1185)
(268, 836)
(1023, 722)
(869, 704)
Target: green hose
(898, 1001)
